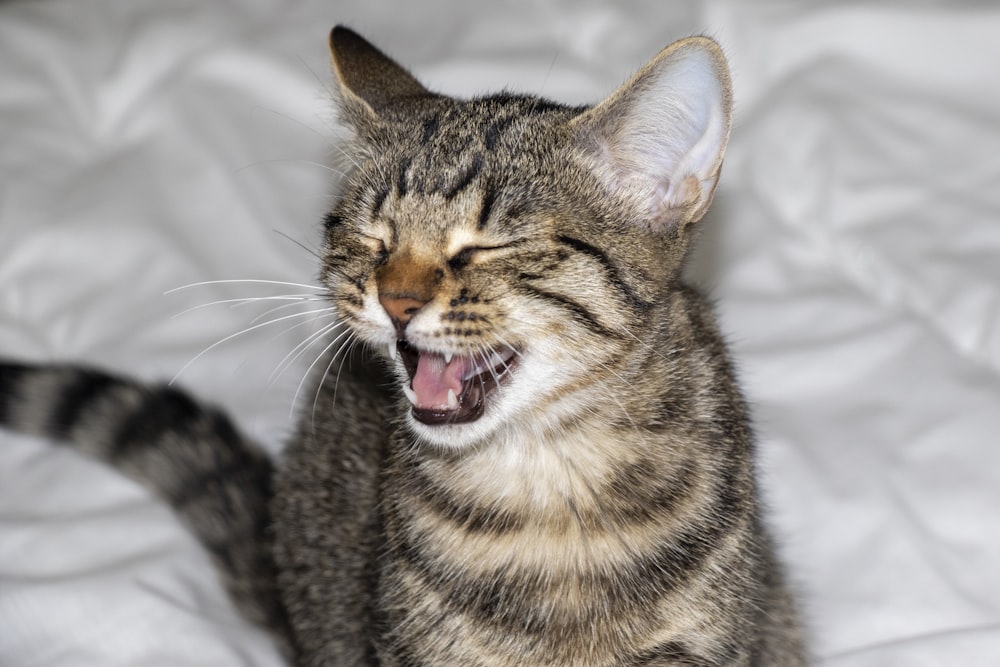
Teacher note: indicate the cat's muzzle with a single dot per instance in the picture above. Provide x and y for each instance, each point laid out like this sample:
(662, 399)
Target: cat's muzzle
(452, 389)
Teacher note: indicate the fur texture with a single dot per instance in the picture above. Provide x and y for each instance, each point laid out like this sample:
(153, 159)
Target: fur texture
(547, 460)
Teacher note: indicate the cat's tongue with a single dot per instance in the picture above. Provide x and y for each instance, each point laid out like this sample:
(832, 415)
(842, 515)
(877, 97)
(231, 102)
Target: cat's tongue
(434, 378)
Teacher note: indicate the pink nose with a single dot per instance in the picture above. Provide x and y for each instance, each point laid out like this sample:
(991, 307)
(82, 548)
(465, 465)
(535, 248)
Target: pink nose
(400, 308)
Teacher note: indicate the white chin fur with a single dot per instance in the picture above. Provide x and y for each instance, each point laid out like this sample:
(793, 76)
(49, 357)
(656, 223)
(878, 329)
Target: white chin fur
(460, 436)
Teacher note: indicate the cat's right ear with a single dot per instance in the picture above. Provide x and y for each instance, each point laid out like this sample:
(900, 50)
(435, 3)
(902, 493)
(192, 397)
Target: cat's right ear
(369, 80)
(659, 139)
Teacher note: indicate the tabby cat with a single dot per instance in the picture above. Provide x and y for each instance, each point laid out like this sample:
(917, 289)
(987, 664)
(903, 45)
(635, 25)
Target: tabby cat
(539, 455)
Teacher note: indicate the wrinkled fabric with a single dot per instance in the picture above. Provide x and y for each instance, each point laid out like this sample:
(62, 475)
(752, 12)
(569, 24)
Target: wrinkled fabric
(853, 248)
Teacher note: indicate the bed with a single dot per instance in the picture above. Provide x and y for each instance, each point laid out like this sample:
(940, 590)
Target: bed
(160, 157)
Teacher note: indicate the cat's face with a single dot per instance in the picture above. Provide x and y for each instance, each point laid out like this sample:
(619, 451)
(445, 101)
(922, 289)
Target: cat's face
(486, 280)
(507, 255)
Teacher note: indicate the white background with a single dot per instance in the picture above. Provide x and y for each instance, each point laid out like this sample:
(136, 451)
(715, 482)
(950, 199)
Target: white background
(854, 249)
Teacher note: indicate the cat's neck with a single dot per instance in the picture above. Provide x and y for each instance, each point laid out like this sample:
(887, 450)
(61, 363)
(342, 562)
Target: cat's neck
(556, 480)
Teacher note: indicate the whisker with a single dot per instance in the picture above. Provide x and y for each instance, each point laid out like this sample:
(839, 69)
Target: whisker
(510, 347)
(245, 300)
(284, 116)
(349, 345)
(486, 353)
(234, 335)
(323, 83)
(332, 313)
(244, 280)
(308, 371)
(271, 311)
(310, 163)
(298, 243)
(300, 349)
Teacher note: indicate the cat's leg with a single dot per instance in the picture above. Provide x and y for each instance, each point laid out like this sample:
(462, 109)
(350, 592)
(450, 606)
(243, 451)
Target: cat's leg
(327, 524)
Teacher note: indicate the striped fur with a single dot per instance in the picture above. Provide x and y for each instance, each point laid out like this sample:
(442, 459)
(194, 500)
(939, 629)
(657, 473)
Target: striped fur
(191, 455)
(585, 494)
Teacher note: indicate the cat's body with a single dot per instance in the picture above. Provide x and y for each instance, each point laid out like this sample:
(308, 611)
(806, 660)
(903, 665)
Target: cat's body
(558, 467)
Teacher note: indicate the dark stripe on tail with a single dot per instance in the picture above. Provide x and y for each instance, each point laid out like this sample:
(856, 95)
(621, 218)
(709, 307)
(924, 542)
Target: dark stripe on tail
(218, 483)
(163, 411)
(74, 399)
(11, 375)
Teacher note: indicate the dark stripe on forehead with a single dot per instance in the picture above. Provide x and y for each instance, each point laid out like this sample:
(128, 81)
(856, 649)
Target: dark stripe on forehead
(402, 176)
(379, 201)
(489, 197)
(466, 179)
(540, 105)
(431, 126)
(495, 129)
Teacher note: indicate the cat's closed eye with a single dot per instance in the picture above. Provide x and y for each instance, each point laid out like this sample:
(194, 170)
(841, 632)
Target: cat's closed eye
(462, 258)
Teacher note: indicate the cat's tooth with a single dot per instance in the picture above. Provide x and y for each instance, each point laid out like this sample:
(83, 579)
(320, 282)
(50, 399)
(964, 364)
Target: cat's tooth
(392, 351)
(410, 394)
(448, 356)
(452, 400)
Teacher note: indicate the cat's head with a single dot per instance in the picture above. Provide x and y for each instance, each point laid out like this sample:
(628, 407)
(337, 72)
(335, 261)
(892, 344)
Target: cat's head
(510, 256)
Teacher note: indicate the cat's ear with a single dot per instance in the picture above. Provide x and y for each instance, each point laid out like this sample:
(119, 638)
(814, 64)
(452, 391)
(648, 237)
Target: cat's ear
(659, 139)
(369, 80)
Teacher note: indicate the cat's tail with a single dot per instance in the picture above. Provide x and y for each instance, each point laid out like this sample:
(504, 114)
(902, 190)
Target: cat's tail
(189, 454)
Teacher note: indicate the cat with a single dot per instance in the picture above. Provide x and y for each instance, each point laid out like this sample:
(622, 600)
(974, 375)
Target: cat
(535, 452)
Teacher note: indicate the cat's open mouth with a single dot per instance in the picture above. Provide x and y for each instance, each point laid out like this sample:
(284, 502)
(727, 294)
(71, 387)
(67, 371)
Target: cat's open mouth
(452, 389)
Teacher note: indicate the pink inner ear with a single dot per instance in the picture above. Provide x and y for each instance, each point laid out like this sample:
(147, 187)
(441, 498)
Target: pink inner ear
(660, 138)
(678, 194)
(434, 378)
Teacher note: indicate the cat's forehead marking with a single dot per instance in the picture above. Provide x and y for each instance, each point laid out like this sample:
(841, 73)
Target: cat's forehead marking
(435, 219)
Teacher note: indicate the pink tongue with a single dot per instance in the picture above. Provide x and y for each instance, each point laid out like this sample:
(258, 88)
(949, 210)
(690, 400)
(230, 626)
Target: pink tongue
(434, 378)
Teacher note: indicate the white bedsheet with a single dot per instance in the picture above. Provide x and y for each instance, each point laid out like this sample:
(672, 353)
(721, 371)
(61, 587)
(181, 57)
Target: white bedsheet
(854, 248)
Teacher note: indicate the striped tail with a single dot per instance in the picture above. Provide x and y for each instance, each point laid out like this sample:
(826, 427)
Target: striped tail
(191, 455)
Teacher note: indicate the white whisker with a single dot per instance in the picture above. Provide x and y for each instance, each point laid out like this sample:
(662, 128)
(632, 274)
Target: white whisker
(510, 347)
(275, 309)
(308, 371)
(234, 335)
(310, 163)
(245, 300)
(349, 345)
(300, 349)
(245, 280)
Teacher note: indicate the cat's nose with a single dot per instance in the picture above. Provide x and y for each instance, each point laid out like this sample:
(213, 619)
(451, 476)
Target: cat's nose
(405, 284)
(400, 307)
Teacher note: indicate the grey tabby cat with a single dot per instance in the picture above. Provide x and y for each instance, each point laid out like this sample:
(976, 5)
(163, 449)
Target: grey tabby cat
(547, 460)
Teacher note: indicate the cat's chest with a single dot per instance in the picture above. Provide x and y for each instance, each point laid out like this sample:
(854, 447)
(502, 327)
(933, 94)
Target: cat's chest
(518, 544)
(515, 504)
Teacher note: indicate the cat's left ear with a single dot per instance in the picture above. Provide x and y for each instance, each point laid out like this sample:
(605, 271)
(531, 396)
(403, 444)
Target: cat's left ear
(659, 139)
(369, 81)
